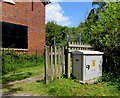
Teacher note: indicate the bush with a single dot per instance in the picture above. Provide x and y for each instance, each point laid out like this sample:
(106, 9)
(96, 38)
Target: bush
(12, 61)
(112, 79)
(103, 33)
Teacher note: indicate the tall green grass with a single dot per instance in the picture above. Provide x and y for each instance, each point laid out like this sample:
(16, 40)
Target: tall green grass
(11, 78)
(65, 87)
(12, 61)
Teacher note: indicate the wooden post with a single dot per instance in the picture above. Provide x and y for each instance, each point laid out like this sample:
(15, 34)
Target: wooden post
(63, 66)
(67, 63)
(59, 65)
(55, 63)
(60, 60)
(51, 63)
(46, 64)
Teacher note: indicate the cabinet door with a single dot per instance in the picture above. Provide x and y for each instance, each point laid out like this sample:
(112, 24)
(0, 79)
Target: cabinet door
(77, 66)
(93, 64)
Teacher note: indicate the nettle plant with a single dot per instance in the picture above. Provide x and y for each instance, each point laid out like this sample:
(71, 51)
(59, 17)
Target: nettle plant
(12, 61)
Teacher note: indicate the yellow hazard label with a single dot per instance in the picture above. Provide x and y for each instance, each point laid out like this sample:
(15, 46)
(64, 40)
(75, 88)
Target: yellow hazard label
(93, 63)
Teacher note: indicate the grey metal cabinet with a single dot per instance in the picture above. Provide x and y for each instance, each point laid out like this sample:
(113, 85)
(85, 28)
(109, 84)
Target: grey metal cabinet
(87, 64)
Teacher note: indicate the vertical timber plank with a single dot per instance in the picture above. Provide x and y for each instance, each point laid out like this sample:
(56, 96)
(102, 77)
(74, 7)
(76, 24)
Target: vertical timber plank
(69, 64)
(66, 60)
(51, 63)
(60, 60)
(63, 60)
(59, 65)
(46, 64)
(55, 59)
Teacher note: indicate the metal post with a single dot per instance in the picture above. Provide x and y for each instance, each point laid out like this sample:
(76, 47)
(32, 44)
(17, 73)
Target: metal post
(36, 56)
(67, 38)
(79, 37)
(54, 40)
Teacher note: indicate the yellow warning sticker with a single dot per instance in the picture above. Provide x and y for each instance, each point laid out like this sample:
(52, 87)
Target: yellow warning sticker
(93, 63)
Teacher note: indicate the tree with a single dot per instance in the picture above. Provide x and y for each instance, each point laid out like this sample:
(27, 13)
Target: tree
(102, 30)
(104, 33)
(57, 31)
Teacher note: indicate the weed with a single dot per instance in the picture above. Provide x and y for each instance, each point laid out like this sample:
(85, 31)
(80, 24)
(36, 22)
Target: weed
(13, 61)
(6, 79)
(67, 87)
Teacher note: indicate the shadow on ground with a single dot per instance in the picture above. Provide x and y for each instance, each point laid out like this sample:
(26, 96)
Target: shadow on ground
(10, 90)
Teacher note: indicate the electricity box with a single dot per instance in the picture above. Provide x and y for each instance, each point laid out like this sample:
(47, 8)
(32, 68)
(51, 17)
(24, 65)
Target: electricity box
(87, 64)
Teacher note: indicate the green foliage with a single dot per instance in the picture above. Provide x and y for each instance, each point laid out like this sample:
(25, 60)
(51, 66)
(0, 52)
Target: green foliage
(103, 33)
(112, 79)
(67, 87)
(60, 32)
(102, 30)
(6, 79)
(22, 73)
(52, 29)
(12, 61)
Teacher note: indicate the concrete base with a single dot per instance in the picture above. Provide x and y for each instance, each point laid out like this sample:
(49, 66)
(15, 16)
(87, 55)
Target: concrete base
(88, 82)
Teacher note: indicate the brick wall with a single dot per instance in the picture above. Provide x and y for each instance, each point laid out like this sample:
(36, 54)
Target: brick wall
(32, 16)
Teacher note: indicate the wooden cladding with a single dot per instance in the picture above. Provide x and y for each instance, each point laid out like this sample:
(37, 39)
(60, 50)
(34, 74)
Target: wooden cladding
(54, 63)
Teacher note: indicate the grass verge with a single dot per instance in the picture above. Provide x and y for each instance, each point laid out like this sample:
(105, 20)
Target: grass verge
(14, 61)
(22, 73)
(17, 66)
(63, 87)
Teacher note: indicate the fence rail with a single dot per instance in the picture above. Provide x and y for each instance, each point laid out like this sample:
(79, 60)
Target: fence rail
(73, 46)
(23, 51)
(54, 63)
(58, 61)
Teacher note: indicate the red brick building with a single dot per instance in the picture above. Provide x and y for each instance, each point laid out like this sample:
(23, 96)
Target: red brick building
(23, 24)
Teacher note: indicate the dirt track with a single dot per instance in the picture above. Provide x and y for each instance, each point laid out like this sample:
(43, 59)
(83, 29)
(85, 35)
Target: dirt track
(39, 77)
